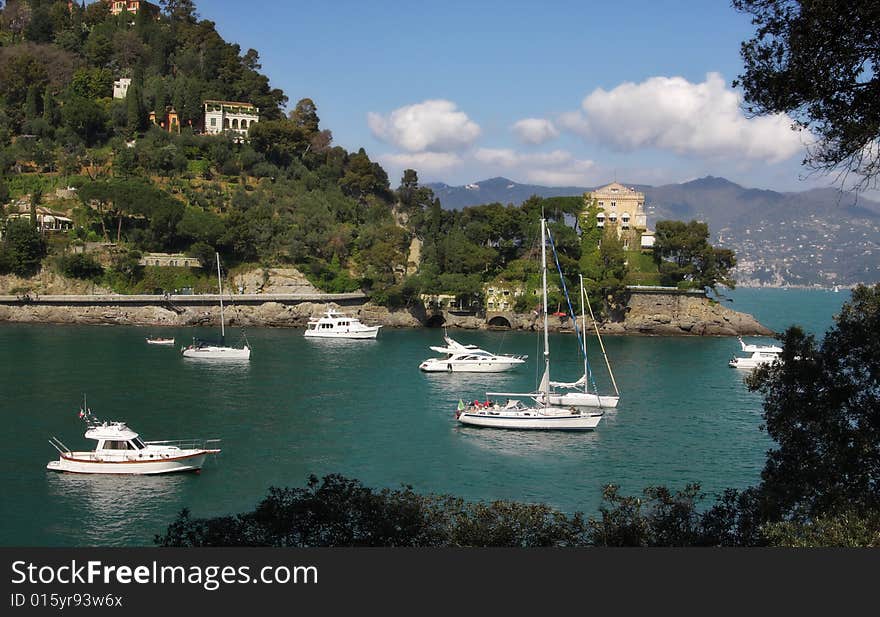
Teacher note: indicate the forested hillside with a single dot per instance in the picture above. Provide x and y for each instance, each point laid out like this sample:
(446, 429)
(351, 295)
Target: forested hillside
(284, 195)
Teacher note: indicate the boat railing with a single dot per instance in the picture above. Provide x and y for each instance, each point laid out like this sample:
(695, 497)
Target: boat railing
(187, 444)
(59, 445)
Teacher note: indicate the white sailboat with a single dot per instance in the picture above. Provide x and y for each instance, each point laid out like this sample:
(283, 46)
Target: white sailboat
(542, 416)
(580, 396)
(206, 350)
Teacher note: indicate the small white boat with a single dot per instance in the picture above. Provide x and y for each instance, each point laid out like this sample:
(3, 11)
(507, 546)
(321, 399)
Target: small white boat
(209, 350)
(334, 324)
(159, 341)
(460, 358)
(761, 355)
(120, 450)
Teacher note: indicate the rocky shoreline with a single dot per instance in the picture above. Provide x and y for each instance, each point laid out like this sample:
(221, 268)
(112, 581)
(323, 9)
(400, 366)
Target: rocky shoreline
(646, 314)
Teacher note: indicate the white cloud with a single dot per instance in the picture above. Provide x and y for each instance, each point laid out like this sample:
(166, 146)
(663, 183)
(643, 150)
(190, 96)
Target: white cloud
(433, 125)
(505, 157)
(535, 130)
(670, 113)
(556, 168)
(429, 163)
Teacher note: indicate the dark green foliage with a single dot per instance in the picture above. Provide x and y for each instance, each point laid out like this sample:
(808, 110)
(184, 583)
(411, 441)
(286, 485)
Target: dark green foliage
(822, 409)
(91, 83)
(23, 248)
(660, 518)
(845, 530)
(817, 61)
(85, 118)
(337, 511)
(80, 266)
(684, 255)
(204, 252)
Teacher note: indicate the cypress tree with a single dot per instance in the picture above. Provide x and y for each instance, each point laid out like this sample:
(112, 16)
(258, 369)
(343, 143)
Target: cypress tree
(32, 105)
(50, 109)
(134, 108)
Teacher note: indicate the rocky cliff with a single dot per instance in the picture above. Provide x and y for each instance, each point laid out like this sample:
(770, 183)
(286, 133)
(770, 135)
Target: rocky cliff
(646, 314)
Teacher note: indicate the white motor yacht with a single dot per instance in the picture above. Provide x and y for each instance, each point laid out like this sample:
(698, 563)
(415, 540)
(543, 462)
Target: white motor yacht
(760, 355)
(334, 324)
(460, 358)
(120, 450)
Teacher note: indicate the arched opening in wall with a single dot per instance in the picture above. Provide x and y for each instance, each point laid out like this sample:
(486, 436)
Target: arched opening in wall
(234, 123)
(435, 321)
(499, 322)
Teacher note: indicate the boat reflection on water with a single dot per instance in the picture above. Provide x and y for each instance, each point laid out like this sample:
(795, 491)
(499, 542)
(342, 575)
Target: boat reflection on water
(114, 510)
(449, 386)
(521, 445)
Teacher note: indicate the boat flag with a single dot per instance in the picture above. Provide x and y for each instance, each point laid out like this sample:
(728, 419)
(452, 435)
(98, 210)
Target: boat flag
(460, 405)
(82, 414)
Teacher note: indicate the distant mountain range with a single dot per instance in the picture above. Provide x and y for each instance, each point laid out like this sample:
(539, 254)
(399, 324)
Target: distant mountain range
(817, 237)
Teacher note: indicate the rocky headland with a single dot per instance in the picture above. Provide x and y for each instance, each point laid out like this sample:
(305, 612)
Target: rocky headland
(654, 314)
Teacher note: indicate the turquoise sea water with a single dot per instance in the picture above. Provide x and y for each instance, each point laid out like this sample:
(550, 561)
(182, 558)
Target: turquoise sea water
(363, 409)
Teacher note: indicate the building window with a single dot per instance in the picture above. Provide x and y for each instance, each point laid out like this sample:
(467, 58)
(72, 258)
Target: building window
(613, 204)
(213, 121)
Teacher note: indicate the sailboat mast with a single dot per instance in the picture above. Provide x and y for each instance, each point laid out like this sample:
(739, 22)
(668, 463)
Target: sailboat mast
(545, 381)
(220, 284)
(584, 330)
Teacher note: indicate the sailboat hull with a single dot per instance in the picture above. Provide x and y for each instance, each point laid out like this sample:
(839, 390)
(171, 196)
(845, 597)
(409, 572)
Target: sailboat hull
(551, 419)
(217, 353)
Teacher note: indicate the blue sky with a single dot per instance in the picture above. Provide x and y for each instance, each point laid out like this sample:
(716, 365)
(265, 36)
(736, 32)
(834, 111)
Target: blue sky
(556, 93)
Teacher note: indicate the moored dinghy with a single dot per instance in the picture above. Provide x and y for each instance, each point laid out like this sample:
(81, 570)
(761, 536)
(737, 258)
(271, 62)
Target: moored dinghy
(158, 340)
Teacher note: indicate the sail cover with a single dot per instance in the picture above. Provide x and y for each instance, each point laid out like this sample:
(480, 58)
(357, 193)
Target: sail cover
(570, 385)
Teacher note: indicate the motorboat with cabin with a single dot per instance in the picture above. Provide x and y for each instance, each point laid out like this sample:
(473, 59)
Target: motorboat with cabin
(760, 355)
(459, 358)
(334, 324)
(120, 450)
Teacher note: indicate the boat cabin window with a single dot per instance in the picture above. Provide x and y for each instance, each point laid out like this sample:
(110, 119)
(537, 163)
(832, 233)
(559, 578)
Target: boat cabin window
(137, 444)
(115, 445)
